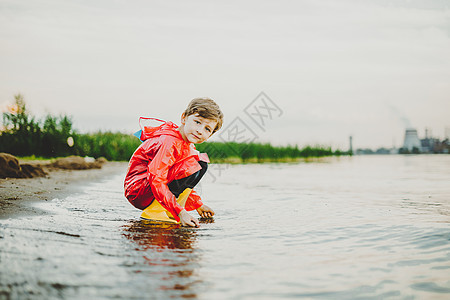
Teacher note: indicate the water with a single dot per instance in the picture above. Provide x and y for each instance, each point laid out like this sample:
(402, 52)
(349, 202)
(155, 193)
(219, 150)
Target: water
(351, 228)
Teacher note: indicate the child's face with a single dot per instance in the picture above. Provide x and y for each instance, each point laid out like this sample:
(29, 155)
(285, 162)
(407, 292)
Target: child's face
(196, 129)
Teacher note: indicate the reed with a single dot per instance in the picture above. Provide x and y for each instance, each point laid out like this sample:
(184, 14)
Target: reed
(257, 152)
(23, 135)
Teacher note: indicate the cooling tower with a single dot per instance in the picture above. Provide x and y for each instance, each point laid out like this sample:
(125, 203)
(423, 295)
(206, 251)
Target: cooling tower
(411, 140)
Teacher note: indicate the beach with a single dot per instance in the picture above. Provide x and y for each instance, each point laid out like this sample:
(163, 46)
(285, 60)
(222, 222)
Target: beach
(17, 194)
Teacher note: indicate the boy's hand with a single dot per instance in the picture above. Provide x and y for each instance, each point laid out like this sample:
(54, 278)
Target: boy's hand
(205, 211)
(187, 220)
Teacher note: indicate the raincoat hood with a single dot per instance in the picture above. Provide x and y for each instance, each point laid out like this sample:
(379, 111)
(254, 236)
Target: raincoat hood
(148, 132)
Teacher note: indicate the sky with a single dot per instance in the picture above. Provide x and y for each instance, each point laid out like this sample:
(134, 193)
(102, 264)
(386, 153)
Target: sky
(313, 72)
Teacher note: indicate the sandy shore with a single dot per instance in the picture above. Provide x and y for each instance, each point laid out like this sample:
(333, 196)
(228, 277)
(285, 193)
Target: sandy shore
(16, 194)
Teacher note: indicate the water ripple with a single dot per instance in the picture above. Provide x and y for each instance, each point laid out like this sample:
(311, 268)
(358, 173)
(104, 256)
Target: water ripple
(341, 230)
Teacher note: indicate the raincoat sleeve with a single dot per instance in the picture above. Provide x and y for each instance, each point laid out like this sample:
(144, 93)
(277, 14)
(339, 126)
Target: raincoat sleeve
(194, 201)
(158, 169)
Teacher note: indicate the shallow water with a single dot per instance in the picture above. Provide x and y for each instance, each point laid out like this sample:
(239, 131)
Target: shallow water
(362, 227)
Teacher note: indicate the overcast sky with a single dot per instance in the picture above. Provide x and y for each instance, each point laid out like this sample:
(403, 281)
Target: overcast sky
(366, 68)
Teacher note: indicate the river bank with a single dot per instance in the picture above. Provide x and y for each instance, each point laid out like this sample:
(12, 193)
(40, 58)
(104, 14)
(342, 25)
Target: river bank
(16, 194)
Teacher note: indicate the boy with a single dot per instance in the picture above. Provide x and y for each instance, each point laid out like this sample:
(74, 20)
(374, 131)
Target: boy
(165, 167)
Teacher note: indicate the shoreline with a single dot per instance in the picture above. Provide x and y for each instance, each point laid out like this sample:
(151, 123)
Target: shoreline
(17, 194)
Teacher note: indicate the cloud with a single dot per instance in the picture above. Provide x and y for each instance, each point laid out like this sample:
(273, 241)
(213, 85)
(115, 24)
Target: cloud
(329, 64)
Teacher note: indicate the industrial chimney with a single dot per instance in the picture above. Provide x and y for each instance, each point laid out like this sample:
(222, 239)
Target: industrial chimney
(350, 150)
(411, 140)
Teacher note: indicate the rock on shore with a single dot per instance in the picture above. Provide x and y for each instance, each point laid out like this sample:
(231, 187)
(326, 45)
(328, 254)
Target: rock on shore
(11, 168)
(78, 163)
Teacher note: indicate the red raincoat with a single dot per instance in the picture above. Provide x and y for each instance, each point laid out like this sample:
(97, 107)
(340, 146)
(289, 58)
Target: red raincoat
(162, 157)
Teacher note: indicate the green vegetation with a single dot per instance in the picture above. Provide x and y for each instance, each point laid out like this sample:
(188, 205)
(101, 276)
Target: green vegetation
(112, 146)
(255, 152)
(22, 135)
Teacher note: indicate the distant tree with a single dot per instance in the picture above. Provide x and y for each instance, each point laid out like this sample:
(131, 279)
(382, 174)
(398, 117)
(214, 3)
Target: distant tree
(21, 134)
(49, 135)
(17, 119)
(65, 124)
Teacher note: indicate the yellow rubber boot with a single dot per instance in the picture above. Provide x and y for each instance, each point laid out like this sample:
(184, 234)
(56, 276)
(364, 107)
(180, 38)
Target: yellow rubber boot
(157, 212)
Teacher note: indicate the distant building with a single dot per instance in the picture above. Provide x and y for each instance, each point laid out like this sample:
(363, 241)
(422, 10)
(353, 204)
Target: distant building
(412, 142)
(379, 151)
(442, 146)
(429, 144)
(383, 151)
(366, 151)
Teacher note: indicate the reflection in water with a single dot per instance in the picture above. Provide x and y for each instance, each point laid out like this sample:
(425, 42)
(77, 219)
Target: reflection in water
(159, 235)
(169, 252)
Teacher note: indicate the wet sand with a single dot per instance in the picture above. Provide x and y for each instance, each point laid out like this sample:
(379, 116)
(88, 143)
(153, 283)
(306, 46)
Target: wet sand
(16, 194)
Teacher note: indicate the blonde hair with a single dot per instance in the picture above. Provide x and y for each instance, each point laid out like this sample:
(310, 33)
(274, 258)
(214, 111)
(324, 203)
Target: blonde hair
(205, 108)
